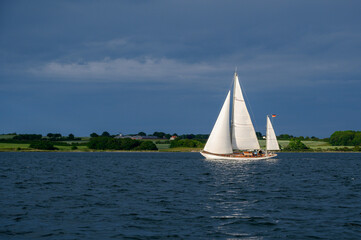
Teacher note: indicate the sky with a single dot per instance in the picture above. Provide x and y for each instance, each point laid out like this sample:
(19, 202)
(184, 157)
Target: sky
(164, 65)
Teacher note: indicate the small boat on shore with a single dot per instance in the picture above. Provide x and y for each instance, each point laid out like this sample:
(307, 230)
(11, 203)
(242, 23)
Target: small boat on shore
(233, 135)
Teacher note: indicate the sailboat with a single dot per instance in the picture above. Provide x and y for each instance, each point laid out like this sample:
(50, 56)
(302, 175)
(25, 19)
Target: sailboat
(233, 135)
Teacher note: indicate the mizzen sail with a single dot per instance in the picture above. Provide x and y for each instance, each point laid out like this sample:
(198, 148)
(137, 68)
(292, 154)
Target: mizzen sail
(271, 139)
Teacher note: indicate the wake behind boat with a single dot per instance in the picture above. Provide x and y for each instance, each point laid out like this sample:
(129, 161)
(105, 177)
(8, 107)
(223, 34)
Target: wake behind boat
(236, 138)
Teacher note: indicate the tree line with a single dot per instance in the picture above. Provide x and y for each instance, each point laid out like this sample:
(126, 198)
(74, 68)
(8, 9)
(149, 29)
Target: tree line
(289, 137)
(189, 143)
(38, 141)
(109, 143)
(49, 137)
(345, 138)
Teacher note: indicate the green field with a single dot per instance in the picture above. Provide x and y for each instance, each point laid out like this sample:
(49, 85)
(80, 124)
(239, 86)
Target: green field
(320, 145)
(162, 147)
(4, 147)
(313, 145)
(6, 136)
(181, 149)
(68, 148)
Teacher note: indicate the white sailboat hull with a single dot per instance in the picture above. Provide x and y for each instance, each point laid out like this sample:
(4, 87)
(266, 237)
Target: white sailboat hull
(236, 157)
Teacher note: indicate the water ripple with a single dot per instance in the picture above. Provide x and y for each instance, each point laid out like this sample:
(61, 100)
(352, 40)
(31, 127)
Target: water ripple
(178, 196)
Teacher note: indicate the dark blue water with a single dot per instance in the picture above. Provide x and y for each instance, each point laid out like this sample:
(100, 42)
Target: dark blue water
(179, 196)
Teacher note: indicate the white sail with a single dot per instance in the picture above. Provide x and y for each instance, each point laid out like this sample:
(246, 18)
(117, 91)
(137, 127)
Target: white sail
(243, 133)
(272, 143)
(219, 140)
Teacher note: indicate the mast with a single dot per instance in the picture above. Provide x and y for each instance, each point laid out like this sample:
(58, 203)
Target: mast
(267, 135)
(233, 99)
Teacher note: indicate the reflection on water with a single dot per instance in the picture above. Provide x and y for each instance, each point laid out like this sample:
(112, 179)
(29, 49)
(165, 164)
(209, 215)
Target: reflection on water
(242, 185)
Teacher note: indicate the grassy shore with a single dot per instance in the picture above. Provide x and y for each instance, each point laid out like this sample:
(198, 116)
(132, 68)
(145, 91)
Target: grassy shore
(315, 146)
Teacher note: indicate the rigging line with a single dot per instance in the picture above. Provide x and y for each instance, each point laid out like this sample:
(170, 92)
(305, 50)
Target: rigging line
(249, 104)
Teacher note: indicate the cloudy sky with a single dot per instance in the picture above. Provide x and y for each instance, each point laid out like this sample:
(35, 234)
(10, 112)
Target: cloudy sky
(128, 66)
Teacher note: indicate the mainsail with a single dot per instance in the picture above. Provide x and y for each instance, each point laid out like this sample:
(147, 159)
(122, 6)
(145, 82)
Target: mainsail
(219, 140)
(243, 133)
(271, 141)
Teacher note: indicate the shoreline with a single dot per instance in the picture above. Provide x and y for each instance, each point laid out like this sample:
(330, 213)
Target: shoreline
(153, 151)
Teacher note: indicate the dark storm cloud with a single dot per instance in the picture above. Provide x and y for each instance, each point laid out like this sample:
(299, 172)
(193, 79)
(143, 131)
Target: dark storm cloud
(282, 46)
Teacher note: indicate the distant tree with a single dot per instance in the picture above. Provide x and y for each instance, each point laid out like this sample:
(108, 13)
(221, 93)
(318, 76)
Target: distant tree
(357, 139)
(284, 137)
(128, 144)
(345, 138)
(27, 137)
(94, 135)
(191, 136)
(43, 145)
(186, 143)
(159, 134)
(201, 136)
(54, 136)
(147, 145)
(103, 143)
(295, 145)
(99, 143)
(142, 134)
(105, 134)
(71, 136)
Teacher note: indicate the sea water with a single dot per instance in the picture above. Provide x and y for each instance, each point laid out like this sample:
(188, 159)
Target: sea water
(179, 196)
